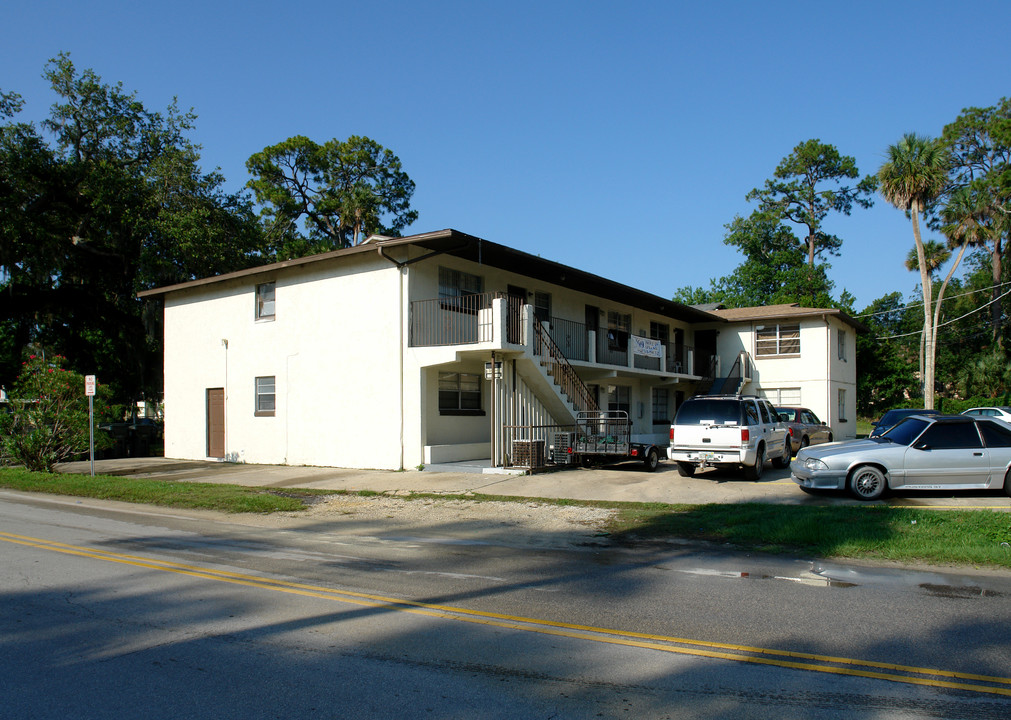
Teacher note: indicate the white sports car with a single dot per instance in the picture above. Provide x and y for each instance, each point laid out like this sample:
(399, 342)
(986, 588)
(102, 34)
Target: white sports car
(935, 452)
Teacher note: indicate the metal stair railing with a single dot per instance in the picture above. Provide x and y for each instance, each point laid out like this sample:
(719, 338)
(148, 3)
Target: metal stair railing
(734, 382)
(562, 373)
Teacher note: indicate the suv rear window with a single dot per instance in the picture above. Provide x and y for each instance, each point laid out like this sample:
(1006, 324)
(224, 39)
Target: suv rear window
(722, 412)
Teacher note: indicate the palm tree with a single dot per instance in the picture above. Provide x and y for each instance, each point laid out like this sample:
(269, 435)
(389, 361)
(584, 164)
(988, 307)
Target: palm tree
(935, 255)
(973, 217)
(913, 175)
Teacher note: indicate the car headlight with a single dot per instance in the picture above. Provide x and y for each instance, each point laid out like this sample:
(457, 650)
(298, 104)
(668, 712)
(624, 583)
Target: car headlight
(812, 463)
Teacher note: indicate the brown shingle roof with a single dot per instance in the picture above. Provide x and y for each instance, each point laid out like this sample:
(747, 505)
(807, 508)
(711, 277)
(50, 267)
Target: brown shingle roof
(785, 311)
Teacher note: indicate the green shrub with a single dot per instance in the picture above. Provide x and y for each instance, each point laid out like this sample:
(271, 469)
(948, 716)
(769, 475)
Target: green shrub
(46, 419)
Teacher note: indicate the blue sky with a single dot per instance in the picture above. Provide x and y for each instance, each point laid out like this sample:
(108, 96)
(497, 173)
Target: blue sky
(617, 137)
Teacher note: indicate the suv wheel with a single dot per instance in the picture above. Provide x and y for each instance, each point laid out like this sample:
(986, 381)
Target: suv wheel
(783, 461)
(686, 469)
(755, 472)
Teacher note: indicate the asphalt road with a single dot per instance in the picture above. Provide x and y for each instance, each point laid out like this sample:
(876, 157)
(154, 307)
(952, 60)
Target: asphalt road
(117, 611)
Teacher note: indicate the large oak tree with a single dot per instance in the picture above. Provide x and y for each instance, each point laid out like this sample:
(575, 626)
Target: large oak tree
(100, 200)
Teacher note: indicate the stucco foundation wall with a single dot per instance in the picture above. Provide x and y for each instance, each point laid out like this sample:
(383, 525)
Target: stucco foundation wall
(333, 349)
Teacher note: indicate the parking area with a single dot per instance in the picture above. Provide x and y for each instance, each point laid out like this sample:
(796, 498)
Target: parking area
(619, 483)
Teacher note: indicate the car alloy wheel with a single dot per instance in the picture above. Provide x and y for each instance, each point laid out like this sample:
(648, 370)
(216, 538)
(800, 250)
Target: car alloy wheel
(867, 483)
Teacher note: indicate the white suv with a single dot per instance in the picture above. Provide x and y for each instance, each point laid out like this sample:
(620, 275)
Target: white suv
(729, 431)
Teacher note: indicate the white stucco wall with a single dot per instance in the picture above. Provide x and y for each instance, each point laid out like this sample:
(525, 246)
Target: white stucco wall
(333, 349)
(817, 371)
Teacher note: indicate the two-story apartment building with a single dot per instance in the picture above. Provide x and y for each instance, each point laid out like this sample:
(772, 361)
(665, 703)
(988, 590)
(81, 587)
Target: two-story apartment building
(794, 356)
(418, 350)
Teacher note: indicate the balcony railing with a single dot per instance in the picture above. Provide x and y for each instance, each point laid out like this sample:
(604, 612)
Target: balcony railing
(470, 319)
(452, 320)
(571, 338)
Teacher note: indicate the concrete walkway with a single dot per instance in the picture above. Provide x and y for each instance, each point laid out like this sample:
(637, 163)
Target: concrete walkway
(619, 483)
(628, 482)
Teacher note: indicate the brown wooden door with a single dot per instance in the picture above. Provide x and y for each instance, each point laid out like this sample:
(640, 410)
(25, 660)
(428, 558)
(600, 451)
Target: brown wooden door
(216, 422)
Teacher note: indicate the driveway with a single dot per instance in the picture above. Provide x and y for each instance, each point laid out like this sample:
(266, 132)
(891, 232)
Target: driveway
(618, 483)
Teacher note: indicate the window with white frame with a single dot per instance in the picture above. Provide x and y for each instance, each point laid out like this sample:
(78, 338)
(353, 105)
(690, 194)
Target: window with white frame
(618, 398)
(265, 397)
(777, 340)
(265, 301)
(842, 404)
(661, 406)
(459, 394)
(781, 396)
(841, 341)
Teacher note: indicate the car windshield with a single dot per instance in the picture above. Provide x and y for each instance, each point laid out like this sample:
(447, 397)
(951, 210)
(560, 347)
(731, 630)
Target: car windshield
(722, 412)
(905, 431)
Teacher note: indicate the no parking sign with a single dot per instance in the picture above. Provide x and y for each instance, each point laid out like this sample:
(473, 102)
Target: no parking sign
(89, 390)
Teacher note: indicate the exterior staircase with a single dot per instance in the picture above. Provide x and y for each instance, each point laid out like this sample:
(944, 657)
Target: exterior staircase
(739, 376)
(562, 375)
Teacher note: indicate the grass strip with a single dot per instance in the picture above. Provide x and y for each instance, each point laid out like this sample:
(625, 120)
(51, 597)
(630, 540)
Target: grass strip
(963, 537)
(960, 537)
(205, 496)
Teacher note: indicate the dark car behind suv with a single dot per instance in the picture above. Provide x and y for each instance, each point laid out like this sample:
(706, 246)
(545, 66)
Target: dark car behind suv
(891, 417)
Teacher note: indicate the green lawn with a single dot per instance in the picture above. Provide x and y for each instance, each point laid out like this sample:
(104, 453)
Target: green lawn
(949, 537)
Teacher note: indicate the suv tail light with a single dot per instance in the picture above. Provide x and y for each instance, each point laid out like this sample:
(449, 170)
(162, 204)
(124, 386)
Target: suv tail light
(672, 432)
(745, 435)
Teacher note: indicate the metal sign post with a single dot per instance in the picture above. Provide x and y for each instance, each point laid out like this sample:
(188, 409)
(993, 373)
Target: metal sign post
(89, 390)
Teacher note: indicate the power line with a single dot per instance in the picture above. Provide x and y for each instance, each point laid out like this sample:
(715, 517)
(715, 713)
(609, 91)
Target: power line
(920, 304)
(949, 322)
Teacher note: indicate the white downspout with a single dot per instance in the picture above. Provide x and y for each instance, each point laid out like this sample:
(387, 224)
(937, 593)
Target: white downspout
(402, 278)
(224, 429)
(828, 371)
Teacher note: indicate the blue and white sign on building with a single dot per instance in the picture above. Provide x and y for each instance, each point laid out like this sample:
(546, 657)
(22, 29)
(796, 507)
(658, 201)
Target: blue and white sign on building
(648, 347)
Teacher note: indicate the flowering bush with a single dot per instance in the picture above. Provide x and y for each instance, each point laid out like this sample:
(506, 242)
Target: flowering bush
(46, 420)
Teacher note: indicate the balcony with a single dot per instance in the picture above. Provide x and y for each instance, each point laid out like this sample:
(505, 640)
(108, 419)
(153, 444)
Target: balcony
(471, 319)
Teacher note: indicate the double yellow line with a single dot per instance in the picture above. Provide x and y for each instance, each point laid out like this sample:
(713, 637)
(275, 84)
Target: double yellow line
(683, 646)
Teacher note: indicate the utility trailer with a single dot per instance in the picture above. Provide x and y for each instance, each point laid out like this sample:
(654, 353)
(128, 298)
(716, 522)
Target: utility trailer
(603, 436)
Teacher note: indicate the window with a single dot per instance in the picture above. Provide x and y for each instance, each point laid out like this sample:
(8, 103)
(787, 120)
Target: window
(618, 398)
(618, 327)
(841, 334)
(751, 414)
(953, 436)
(995, 435)
(459, 394)
(457, 288)
(265, 301)
(264, 397)
(542, 306)
(661, 406)
(842, 405)
(781, 396)
(659, 331)
(778, 340)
